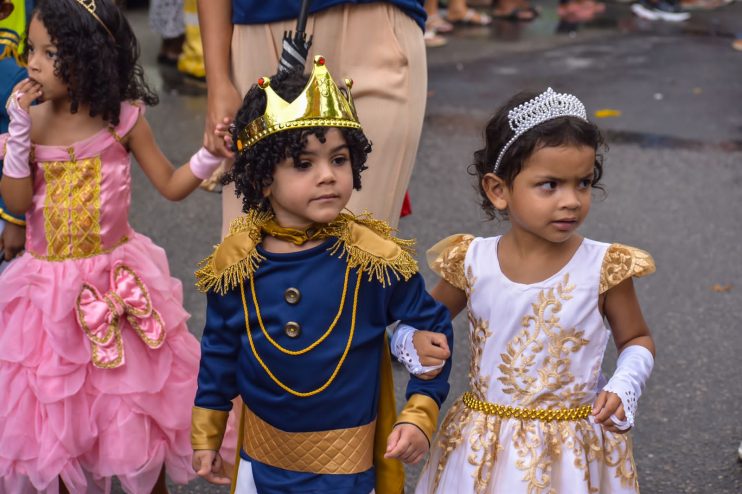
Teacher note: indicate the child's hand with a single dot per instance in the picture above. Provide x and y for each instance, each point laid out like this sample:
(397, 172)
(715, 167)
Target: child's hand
(432, 349)
(605, 405)
(406, 443)
(223, 132)
(12, 241)
(26, 92)
(208, 464)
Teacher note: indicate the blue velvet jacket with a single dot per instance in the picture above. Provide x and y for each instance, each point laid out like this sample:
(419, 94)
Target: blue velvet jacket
(230, 367)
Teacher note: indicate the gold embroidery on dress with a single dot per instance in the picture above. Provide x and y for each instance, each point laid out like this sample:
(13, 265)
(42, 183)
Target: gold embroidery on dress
(72, 208)
(483, 437)
(553, 385)
(622, 262)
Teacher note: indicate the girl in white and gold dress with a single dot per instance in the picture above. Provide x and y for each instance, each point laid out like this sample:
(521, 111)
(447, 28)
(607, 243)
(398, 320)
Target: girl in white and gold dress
(539, 417)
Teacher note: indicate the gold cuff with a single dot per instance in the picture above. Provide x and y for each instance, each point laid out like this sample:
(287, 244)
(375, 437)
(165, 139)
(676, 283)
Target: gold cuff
(207, 428)
(5, 216)
(422, 412)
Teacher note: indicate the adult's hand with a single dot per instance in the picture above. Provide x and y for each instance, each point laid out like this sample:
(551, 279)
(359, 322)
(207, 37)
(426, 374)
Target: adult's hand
(223, 103)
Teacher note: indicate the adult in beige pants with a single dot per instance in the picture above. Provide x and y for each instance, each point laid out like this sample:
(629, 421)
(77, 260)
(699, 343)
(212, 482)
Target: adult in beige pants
(376, 44)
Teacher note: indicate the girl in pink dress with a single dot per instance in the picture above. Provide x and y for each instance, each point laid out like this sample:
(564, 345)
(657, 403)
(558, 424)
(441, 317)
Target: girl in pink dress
(97, 368)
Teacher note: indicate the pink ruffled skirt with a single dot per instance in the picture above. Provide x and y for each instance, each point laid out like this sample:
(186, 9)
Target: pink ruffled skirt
(60, 416)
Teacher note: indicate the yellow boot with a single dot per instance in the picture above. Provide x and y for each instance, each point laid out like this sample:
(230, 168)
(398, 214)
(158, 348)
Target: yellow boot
(191, 60)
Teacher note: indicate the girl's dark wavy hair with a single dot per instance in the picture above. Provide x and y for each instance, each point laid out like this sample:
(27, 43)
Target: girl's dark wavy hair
(99, 71)
(254, 167)
(563, 131)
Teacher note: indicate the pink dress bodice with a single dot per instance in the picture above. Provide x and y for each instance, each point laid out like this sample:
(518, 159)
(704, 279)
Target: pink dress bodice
(82, 194)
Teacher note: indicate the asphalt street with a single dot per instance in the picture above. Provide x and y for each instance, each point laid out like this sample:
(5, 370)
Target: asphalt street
(673, 179)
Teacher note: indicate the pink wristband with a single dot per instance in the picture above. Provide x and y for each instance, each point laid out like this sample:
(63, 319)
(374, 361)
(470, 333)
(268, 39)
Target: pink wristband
(203, 163)
(18, 145)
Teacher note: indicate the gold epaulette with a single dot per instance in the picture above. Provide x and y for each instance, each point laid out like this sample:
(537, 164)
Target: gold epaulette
(236, 257)
(369, 244)
(365, 243)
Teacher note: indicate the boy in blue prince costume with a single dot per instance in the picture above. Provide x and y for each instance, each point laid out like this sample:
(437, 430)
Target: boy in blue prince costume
(299, 297)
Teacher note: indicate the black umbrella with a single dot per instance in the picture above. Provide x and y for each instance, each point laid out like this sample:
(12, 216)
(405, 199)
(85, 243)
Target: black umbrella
(296, 45)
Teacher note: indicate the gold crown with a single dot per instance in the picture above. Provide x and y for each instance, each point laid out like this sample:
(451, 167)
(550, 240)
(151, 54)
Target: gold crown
(321, 104)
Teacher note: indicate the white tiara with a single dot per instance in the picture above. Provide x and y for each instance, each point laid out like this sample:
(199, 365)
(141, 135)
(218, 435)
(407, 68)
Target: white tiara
(546, 106)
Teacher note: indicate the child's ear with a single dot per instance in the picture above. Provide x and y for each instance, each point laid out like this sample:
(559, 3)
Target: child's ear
(496, 190)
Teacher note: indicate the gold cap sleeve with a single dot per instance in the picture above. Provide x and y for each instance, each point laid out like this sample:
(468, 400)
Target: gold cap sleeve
(446, 259)
(622, 262)
(422, 412)
(207, 428)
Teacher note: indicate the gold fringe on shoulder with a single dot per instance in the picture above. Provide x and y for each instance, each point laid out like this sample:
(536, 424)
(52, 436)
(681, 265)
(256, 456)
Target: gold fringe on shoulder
(236, 257)
(621, 262)
(369, 244)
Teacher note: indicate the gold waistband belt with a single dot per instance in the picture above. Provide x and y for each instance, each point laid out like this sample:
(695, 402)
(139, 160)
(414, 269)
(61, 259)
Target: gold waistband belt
(337, 451)
(544, 414)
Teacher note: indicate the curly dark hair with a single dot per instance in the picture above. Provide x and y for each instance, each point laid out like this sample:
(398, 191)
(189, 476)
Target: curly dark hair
(99, 71)
(561, 131)
(254, 167)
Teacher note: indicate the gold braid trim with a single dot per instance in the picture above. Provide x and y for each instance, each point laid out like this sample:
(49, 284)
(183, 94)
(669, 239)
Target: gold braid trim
(10, 46)
(236, 257)
(369, 244)
(366, 243)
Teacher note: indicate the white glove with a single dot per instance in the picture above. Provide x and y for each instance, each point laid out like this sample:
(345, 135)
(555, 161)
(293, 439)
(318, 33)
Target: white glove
(404, 350)
(633, 368)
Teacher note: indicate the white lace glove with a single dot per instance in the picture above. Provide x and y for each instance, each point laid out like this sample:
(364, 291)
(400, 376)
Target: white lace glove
(18, 145)
(633, 368)
(404, 350)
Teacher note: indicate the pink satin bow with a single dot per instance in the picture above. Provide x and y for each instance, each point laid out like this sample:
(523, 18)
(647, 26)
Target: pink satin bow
(100, 316)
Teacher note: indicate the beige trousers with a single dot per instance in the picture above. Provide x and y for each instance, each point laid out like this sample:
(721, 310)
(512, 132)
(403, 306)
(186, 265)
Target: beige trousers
(382, 50)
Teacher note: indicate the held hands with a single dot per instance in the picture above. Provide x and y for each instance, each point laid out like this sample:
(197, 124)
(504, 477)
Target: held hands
(606, 405)
(12, 241)
(25, 92)
(406, 443)
(223, 103)
(432, 348)
(208, 464)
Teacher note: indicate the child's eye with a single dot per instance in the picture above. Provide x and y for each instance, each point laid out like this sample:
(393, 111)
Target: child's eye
(303, 165)
(51, 54)
(551, 185)
(586, 183)
(340, 160)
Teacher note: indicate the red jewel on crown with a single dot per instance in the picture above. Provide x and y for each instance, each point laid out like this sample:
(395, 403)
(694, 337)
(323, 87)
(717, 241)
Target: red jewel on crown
(321, 61)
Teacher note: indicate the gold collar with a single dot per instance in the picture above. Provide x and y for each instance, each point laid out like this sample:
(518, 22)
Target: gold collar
(296, 236)
(363, 242)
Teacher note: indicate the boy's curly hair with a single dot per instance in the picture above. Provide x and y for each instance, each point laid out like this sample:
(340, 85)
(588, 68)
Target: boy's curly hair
(563, 131)
(99, 71)
(254, 167)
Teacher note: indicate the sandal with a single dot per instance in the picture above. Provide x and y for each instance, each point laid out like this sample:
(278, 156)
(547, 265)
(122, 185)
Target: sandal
(471, 18)
(516, 15)
(433, 39)
(438, 23)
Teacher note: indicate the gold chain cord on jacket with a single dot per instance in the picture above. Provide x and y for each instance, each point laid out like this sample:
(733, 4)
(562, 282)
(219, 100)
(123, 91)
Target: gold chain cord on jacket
(544, 414)
(342, 358)
(320, 339)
